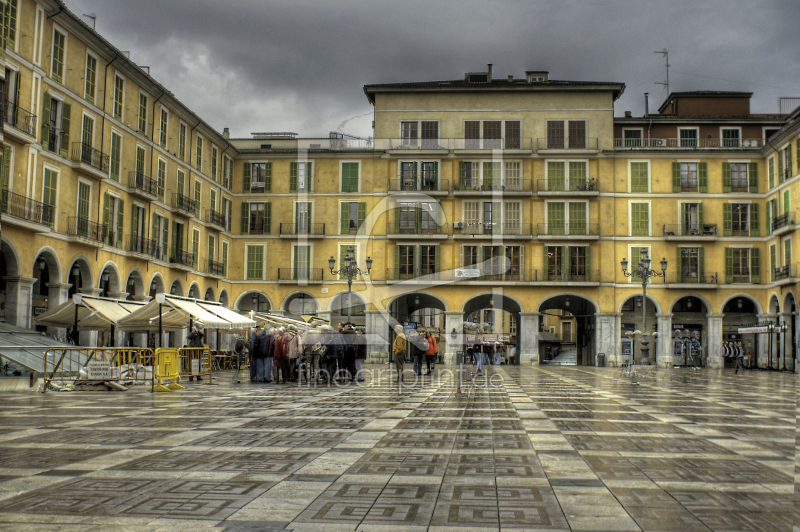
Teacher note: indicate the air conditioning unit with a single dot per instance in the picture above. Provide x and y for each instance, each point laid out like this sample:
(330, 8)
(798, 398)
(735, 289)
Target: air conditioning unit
(458, 225)
(659, 142)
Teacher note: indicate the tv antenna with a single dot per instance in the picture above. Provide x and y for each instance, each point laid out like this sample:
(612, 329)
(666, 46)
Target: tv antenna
(665, 53)
(93, 17)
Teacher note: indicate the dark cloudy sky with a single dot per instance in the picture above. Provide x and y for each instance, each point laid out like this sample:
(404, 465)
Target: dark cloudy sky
(291, 65)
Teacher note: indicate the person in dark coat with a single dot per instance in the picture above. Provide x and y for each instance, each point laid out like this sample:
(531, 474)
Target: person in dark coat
(268, 346)
(195, 340)
(361, 354)
(349, 352)
(254, 349)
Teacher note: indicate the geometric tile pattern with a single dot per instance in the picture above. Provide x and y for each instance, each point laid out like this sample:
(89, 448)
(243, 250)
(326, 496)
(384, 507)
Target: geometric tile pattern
(544, 448)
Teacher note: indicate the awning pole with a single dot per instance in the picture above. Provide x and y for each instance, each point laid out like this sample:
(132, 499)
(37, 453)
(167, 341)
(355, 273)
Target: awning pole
(75, 327)
(111, 340)
(160, 335)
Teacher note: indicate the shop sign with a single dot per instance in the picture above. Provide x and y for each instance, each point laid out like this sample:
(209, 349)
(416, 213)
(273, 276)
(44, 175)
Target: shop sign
(461, 273)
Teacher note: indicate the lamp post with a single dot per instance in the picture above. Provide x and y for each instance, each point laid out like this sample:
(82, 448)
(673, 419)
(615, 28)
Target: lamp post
(630, 335)
(351, 270)
(645, 273)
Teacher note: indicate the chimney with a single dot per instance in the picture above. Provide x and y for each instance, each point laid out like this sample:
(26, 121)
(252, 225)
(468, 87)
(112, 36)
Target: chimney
(490, 73)
(226, 133)
(510, 78)
(646, 104)
(628, 114)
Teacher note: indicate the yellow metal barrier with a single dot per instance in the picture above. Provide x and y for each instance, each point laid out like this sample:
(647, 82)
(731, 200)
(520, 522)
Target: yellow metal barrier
(196, 362)
(81, 365)
(167, 367)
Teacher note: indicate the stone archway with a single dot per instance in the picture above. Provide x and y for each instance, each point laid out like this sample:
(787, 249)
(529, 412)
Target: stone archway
(47, 291)
(157, 285)
(194, 291)
(253, 300)
(343, 310)
(14, 306)
(299, 304)
(134, 285)
(209, 295)
(176, 288)
(110, 284)
(426, 310)
(224, 299)
(572, 313)
(690, 319)
(743, 310)
(492, 320)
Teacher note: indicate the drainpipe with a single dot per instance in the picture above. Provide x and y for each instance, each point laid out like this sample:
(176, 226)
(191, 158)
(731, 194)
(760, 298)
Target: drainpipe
(152, 152)
(103, 126)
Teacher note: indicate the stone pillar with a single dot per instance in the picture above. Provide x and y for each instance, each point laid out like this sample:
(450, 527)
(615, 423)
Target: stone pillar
(89, 338)
(714, 342)
(378, 337)
(664, 353)
(607, 331)
(763, 342)
(19, 299)
(784, 345)
(57, 293)
(528, 334)
(453, 320)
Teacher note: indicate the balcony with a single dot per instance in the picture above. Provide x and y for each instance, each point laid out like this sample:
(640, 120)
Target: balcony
(305, 230)
(410, 229)
(141, 246)
(492, 274)
(690, 232)
(251, 228)
(303, 275)
(90, 160)
(25, 212)
(184, 204)
(415, 275)
(783, 224)
(142, 186)
(690, 280)
(404, 144)
(86, 231)
(507, 144)
(53, 140)
(568, 231)
(258, 187)
(432, 187)
(689, 144)
(568, 187)
(216, 218)
(181, 259)
(786, 274)
(567, 144)
(22, 120)
(215, 268)
(509, 187)
(507, 231)
(571, 275)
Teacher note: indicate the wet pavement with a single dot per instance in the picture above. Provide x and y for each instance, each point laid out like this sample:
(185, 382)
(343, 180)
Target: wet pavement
(531, 448)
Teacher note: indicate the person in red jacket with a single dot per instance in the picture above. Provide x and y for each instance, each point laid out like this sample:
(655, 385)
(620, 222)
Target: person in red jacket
(281, 357)
(430, 354)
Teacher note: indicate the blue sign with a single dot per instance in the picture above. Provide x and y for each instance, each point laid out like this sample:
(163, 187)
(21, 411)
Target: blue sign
(409, 325)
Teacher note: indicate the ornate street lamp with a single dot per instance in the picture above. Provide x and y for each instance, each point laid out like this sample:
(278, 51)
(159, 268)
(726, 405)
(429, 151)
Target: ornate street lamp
(351, 271)
(645, 273)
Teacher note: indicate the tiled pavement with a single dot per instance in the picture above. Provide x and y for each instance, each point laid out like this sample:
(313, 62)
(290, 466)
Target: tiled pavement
(561, 448)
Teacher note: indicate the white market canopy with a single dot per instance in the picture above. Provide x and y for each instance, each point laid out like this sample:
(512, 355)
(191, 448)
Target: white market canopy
(263, 318)
(172, 313)
(94, 313)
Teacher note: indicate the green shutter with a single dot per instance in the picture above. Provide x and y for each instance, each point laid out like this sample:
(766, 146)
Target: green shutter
(292, 177)
(436, 259)
(555, 176)
(702, 173)
(755, 265)
(65, 111)
(135, 223)
(640, 218)
(462, 175)
(246, 177)
(106, 202)
(727, 219)
(789, 169)
(683, 219)
(176, 245)
(555, 218)
(120, 220)
(701, 264)
(344, 218)
(46, 120)
(362, 215)
(773, 261)
(754, 219)
(545, 272)
(414, 181)
(728, 265)
(309, 172)
(396, 262)
(154, 232)
(771, 172)
(417, 216)
(268, 218)
(268, 177)
(397, 220)
(565, 263)
(165, 242)
(589, 264)
(676, 177)
(786, 203)
(497, 226)
(435, 167)
(752, 175)
(577, 218)
(678, 265)
(769, 217)
(6, 165)
(726, 177)
(700, 218)
(245, 218)
(780, 167)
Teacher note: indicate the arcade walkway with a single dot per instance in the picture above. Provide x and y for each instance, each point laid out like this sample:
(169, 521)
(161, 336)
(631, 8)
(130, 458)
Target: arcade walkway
(555, 448)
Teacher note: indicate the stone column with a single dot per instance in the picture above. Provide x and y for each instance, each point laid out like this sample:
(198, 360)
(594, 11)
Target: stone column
(763, 342)
(784, 346)
(19, 299)
(528, 334)
(89, 338)
(57, 293)
(140, 339)
(452, 320)
(378, 337)
(664, 354)
(714, 341)
(607, 331)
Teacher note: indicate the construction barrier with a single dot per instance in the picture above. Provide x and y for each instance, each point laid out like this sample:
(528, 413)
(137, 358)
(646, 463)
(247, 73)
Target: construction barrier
(195, 362)
(167, 364)
(84, 365)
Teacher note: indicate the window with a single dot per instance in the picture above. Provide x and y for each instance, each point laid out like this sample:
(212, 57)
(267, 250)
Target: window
(554, 263)
(212, 200)
(689, 177)
(84, 199)
(55, 125)
(575, 137)
(430, 135)
(771, 172)
(195, 247)
(59, 43)
(163, 129)
(300, 177)
(256, 218)
(513, 263)
(739, 181)
(785, 163)
(212, 244)
(691, 218)
(225, 258)
(138, 229)
(468, 176)
(428, 260)
(636, 256)
(406, 217)
(255, 261)
(116, 155)
(10, 24)
(91, 77)
(492, 262)
(566, 218)
(632, 138)
(405, 259)
(408, 133)
(741, 219)
(408, 176)
(160, 228)
(113, 217)
(181, 182)
(197, 189)
(787, 252)
(228, 181)
(178, 242)
(488, 134)
(350, 177)
(352, 216)
(469, 256)
(258, 177)
(640, 176)
(689, 267)
(199, 155)
(773, 261)
(119, 88)
(343, 254)
(738, 265)
(301, 262)
(731, 138)
(557, 172)
(87, 137)
(640, 219)
(226, 212)
(512, 139)
(182, 142)
(769, 132)
(142, 113)
(512, 218)
(214, 155)
(302, 217)
(6, 166)
(162, 178)
(513, 176)
(577, 263)
(688, 137)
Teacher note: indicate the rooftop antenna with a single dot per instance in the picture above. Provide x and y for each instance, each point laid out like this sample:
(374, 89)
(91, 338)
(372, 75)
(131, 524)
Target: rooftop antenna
(665, 53)
(93, 17)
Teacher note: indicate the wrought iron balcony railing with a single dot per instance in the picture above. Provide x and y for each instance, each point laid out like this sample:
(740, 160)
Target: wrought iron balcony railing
(216, 218)
(419, 184)
(183, 203)
(568, 229)
(709, 230)
(412, 227)
(215, 268)
(83, 153)
(692, 277)
(502, 229)
(142, 183)
(567, 143)
(26, 208)
(782, 221)
(179, 256)
(492, 185)
(675, 143)
(20, 118)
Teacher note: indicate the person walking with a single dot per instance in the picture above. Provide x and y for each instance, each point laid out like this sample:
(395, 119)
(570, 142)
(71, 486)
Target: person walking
(430, 354)
(511, 354)
(281, 358)
(267, 341)
(311, 349)
(418, 348)
(195, 341)
(349, 352)
(253, 349)
(498, 355)
(361, 354)
(399, 351)
(739, 357)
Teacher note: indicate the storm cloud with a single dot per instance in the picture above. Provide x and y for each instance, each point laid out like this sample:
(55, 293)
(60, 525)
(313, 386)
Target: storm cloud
(298, 66)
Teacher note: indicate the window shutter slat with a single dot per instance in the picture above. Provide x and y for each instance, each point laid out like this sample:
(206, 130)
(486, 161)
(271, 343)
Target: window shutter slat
(120, 220)
(726, 177)
(727, 219)
(267, 218)
(545, 271)
(701, 264)
(106, 214)
(65, 112)
(752, 175)
(755, 266)
(268, 177)
(754, 219)
(45, 119)
(292, 177)
(245, 218)
(362, 214)
(728, 265)
(344, 218)
(678, 265)
(676, 177)
(700, 218)
(702, 177)
(246, 177)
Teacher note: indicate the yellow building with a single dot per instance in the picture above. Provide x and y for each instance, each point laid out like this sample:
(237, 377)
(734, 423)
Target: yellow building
(513, 200)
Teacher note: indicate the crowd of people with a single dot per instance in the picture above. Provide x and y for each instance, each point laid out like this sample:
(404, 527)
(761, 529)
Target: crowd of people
(317, 354)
